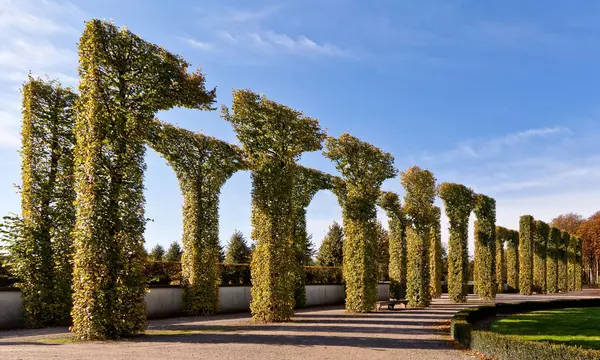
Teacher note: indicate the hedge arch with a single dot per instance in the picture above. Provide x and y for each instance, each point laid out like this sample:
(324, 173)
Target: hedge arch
(540, 243)
(435, 258)
(202, 165)
(526, 234)
(390, 202)
(501, 266)
(485, 246)
(552, 260)
(364, 167)
(563, 253)
(41, 257)
(420, 214)
(306, 184)
(459, 201)
(512, 260)
(273, 137)
(124, 82)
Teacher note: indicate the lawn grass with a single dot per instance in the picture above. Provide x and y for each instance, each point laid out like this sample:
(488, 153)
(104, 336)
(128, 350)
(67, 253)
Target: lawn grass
(572, 326)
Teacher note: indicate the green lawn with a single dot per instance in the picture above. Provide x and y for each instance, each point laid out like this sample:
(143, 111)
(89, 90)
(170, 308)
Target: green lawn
(573, 326)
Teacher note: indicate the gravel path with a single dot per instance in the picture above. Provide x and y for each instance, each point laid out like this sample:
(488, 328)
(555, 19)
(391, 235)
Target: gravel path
(323, 333)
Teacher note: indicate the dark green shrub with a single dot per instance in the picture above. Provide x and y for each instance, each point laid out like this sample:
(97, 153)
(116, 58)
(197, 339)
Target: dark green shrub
(364, 168)
(563, 253)
(323, 275)
(512, 259)
(552, 260)
(163, 272)
(458, 202)
(396, 223)
(420, 214)
(540, 241)
(572, 262)
(526, 234)
(41, 250)
(485, 246)
(235, 274)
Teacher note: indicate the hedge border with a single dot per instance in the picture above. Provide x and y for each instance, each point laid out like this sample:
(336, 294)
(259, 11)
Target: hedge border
(467, 328)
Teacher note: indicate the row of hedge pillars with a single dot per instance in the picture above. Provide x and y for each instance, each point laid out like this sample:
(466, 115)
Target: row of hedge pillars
(549, 260)
(91, 147)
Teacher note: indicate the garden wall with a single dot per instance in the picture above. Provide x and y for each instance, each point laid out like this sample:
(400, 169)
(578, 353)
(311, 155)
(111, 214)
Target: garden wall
(165, 301)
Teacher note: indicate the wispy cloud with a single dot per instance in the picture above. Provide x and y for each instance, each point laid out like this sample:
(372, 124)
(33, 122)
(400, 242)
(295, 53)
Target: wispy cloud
(477, 148)
(244, 34)
(31, 41)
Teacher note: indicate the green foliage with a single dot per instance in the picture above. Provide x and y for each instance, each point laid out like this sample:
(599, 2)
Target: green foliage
(157, 253)
(459, 201)
(390, 202)
(540, 244)
(420, 214)
(579, 265)
(383, 253)
(238, 251)
(306, 184)
(512, 260)
(364, 168)
(501, 270)
(331, 252)
(235, 274)
(273, 136)
(163, 272)
(552, 260)
(435, 258)
(527, 230)
(485, 246)
(572, 262)
(323, 275)
(124, 82)
(174, 252)
(202, 165)
(40, 242)
(563, 253)
(466, 329)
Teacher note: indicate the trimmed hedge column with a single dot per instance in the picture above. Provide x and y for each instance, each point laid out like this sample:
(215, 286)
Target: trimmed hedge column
(202, 165)
(563, 283)
(572, 262)
(364, 168)
(579, 265)
(41, 257)
(512, 260)
(552, 261)
(306, 184)
(540, 240)
(420, 213)
(124, 82)
(435, 258)
(501, 237)
(397, 237)
(458, 202)
(273, 137)
(526, 234)
(485, 246)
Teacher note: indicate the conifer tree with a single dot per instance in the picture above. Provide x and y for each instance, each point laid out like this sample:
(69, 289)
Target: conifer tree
(331, 251)
(238, 251)
(174, 252)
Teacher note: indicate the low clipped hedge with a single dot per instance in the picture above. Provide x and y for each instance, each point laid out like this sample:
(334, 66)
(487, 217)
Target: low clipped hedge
(469, 329)
(169, 273)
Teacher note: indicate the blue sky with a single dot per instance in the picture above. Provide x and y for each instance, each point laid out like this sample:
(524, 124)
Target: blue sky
(502, 96)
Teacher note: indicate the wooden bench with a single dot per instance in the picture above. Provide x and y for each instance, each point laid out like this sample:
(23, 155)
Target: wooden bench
(391, 304)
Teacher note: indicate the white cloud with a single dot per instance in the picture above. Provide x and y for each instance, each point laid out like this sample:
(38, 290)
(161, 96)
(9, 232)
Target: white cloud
(37, 37)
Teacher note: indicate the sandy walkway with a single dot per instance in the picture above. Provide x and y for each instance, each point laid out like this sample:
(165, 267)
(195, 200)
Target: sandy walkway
(324, 333)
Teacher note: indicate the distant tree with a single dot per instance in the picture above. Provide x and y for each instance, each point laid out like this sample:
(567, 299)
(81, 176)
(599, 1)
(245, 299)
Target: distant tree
(383, 252)
(157, 253)
(238, 251)
(589, 232)
(331, 250)
(174, 252)
(569, 222)
(221, 254)
(310, 251)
